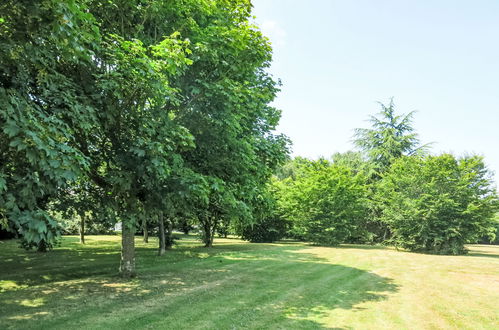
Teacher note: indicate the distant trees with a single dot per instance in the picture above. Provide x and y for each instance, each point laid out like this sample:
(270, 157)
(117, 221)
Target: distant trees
(269, 224)
(392, 191)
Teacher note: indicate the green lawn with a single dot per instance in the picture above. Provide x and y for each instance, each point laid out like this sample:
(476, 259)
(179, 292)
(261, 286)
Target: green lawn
(238, 285)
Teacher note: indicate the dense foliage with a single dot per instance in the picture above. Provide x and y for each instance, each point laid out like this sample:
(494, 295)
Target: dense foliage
(325, 202)
(391, 192)
(146, 109)
(437, 204)
(390, 137)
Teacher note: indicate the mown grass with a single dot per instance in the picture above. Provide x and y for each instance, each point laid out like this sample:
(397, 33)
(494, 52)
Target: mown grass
(238, 285)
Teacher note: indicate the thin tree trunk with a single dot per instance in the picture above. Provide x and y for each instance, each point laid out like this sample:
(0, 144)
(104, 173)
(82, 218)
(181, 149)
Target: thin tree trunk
(127, 265)
(144, 228)
(82, 228)
(161, 234)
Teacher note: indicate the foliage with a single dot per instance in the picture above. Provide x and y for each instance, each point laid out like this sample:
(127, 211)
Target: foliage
(225, 105)
(436, 204)
(493, 236)
(390, 137)
(42, 45)
(135, 108)
(326, 203)
(270, 226)
(70, 225)
(353, 160)
(270, 229)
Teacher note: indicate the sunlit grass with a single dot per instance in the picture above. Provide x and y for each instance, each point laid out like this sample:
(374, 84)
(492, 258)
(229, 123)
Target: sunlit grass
(238, 285)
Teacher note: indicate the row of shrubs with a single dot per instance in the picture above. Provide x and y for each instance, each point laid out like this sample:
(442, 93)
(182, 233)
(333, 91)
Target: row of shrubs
(432, 204)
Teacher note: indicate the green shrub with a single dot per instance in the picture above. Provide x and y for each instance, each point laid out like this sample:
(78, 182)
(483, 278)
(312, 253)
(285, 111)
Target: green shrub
(436, 204)
(270, 229)
(325, 202)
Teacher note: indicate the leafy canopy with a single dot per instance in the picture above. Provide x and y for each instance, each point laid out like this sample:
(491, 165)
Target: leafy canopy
(437, 204)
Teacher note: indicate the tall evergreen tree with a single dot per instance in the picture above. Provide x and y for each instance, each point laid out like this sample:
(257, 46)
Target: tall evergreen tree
(390, 137)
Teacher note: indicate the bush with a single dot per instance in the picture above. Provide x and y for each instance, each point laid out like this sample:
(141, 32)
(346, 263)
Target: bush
(436, 204)
(493, 236)
(269, 230)
(325, 202)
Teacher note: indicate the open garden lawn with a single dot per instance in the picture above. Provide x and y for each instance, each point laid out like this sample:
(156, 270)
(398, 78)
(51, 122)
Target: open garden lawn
(237, 285)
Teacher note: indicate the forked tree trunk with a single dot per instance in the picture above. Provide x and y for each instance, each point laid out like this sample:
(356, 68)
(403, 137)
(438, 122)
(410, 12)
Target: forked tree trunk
(127, 265)
(144, 228)
(161, 234)
(82, 228)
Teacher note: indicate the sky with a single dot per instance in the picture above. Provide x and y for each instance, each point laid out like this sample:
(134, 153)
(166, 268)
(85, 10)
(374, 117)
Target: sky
(338, 59)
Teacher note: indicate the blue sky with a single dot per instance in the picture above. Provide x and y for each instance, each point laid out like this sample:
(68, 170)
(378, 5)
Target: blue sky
(336, 59)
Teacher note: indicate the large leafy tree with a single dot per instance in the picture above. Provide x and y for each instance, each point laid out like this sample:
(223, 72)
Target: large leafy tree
(226, 92)
(436, 204)
(41, 107)
(390, 137)
(78, 99)
(102, 91)
(224, 97)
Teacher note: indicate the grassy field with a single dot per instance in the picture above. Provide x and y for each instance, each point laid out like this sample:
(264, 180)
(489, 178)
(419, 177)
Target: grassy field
(238, 285)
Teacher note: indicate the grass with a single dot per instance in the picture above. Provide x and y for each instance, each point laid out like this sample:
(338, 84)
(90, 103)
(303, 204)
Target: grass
(238, 285)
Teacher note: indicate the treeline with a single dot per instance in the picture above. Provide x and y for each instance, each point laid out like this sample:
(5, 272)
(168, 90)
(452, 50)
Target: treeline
(393, 191)
(139, 112)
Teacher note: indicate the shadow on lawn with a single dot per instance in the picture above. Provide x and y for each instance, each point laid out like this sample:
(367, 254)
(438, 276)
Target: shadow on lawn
(487, 255)
(237, 285)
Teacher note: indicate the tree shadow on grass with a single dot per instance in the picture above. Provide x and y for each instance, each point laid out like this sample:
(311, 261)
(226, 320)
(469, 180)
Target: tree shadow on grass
(474, 254)
(229, 286)
(480, 250)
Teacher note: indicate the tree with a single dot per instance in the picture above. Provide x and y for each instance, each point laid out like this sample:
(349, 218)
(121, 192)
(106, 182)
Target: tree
(436, 204)
(226, 96)
(353, 160)
(270, 225)
(42, 43)
(137, 137)
(115, 93)
(391, 136)
(79, 100)
(326, 203)
(79, 200)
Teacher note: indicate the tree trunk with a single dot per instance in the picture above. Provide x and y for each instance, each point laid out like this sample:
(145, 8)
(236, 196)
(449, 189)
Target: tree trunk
(169, 234)
(144, 228)
(42, 246)
(208, 236)
(161, 234)
(82, 228)
(127, 266)
(213, 231)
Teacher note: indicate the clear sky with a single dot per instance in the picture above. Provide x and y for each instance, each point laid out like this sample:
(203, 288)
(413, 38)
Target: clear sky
(336, 59)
